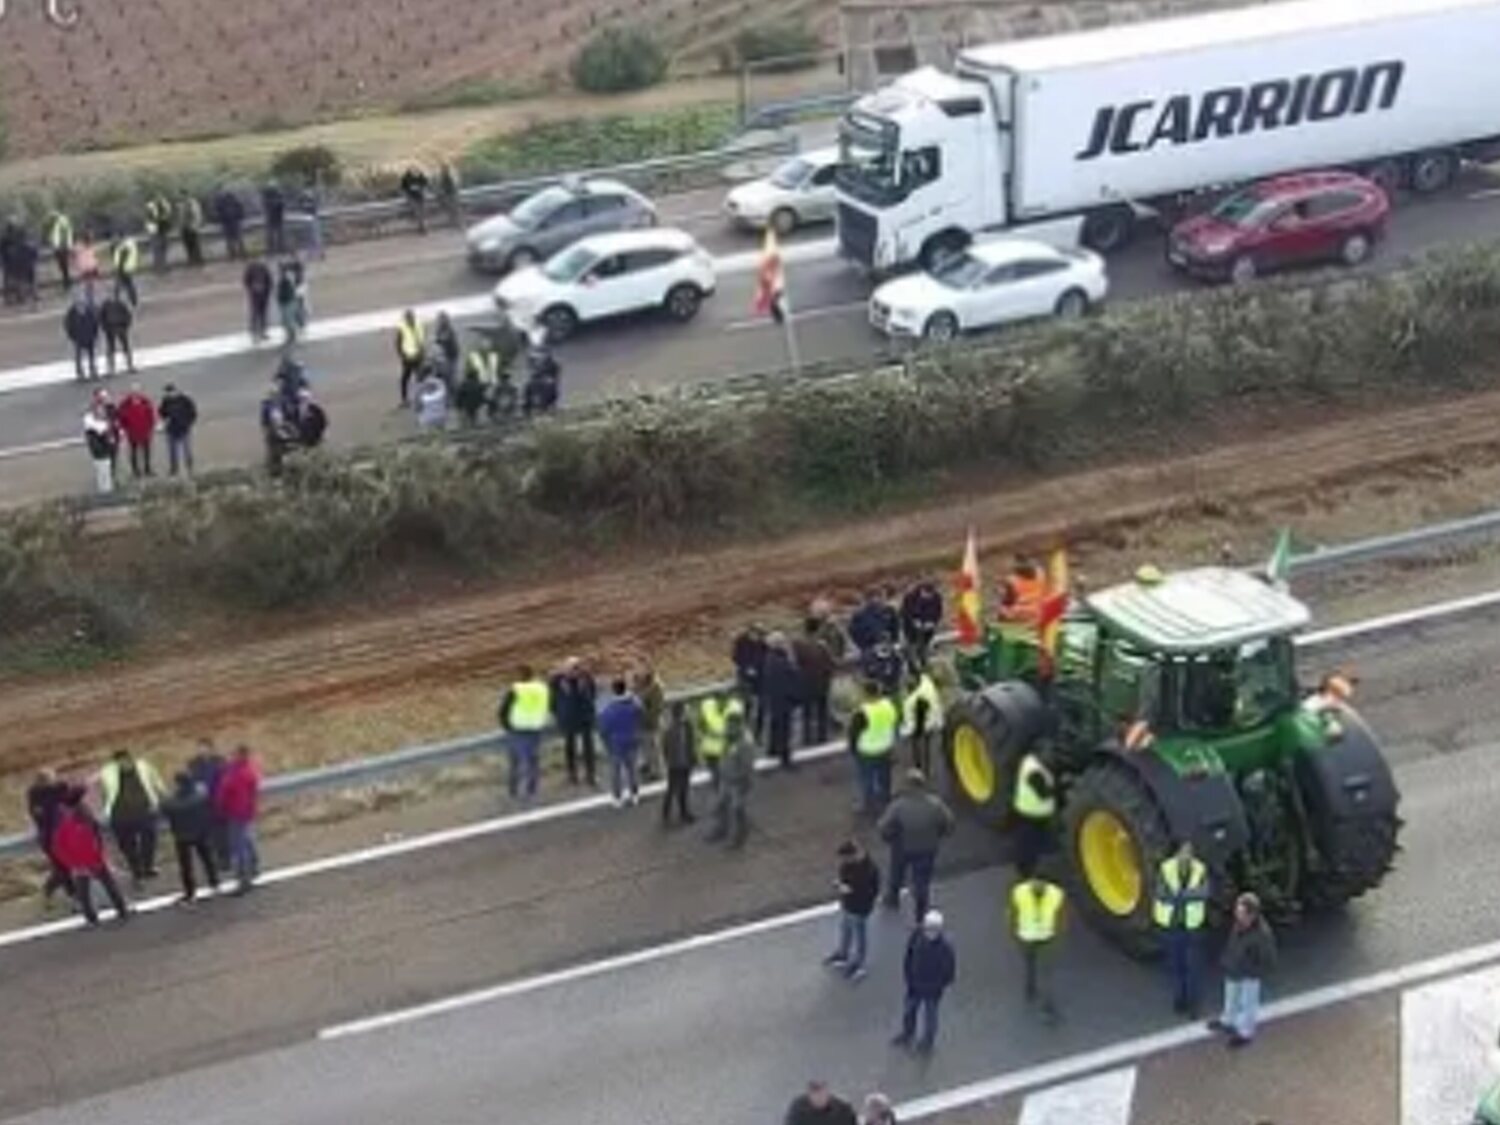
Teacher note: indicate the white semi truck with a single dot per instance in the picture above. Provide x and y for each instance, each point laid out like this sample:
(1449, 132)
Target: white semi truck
(1094, 130)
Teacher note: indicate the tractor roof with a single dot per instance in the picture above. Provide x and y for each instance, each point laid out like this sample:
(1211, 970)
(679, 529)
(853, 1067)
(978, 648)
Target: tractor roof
(1204, 610)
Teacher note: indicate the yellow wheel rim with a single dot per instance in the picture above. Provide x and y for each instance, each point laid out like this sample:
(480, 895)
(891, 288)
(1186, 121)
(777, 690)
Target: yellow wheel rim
(1111, 862)
(972, 763)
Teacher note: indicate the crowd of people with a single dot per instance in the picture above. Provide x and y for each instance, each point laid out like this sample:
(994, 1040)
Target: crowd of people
(210, 809)
(133, 423)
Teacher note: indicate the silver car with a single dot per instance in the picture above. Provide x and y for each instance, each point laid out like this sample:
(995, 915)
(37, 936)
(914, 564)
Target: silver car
(799, 192)
(554, 218)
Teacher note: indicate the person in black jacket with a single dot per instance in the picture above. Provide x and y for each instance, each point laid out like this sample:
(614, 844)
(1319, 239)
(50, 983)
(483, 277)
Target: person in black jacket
(749, 656)
(819, 1106)
(81, 323)
(178, 414)
(782, 690)
(679, 754)
(414, 190)
(859, 887)
(874, 621)
(230, 213)
(575, 709)
(189, 814)
(44, 804)
(116, 318)
(273, 204)
(311, 420)
(816, 666)
(258, 286)
(921, 615)
(929, 969)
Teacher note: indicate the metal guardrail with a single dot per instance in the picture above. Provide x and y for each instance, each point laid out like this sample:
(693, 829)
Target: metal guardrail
(364, 770)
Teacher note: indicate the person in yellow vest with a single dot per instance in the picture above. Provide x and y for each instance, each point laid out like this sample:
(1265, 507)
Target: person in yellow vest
(159, 227)
(872, 738)
(714, 715)
(125, 260)
(1180, 912)
(524, 710)
(60, 242)
(1036, 920)
(411, 349)
(131, 791)
(921, 719)
(1034, 801)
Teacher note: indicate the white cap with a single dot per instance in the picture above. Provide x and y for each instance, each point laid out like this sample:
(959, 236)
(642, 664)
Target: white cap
(932, 920)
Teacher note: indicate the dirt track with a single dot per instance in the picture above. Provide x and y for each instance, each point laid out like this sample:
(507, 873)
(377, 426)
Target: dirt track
(479, 636)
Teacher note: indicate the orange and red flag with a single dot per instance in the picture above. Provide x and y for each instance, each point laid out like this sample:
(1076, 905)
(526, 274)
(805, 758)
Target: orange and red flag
(970, 608)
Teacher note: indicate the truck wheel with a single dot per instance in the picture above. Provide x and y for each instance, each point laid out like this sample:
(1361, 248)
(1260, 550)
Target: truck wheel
(1109, 229)
(941, 328)
(1115, 838)
(940, 247)
(784, 221)
(1385, 174)
(983, 740)
(1433, 171)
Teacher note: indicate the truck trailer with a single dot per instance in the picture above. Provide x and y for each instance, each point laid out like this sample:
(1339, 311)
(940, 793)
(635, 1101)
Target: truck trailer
(1098, 129)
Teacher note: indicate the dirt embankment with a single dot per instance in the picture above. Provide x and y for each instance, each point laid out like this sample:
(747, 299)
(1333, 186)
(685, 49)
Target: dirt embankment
(643, 604)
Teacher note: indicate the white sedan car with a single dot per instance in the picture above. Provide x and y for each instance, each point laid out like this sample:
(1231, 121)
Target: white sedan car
(990, 283)
(798, 193)
(611, 275)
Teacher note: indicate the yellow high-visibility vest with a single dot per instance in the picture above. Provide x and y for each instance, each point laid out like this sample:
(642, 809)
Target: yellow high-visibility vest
(60, 232)
(1036, 914)
(926, 689)
(1027, 801)
(531, 705)
(485, 365)
(881, 722)
(413, 339)
(109, 783)
(1170, 890)
(714, 719)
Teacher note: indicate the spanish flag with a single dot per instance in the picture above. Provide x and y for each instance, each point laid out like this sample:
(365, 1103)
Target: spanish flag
(1055, 602)
(970, 609)
(770, 286)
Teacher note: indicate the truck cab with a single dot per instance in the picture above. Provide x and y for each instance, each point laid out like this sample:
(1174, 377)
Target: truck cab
(922, 163)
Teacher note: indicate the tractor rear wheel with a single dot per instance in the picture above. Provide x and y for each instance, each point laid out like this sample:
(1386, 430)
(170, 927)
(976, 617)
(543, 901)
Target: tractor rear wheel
(984, 738)
(1356, 855)
(1115, 837)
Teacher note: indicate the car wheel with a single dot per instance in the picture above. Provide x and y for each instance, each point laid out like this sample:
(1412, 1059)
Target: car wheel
(560, 322)
(783, 221)
(683, 301)
(1433, 171)
(521, 258)
(1243, 270)
(941, 328)
(1356, 248)
(1072, 304)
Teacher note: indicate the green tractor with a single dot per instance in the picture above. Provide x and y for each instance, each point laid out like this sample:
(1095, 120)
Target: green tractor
(1292, 801)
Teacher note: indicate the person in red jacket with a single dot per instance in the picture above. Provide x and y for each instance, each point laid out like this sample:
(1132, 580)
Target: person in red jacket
(238, 802)
(78, 847)
(138, 420)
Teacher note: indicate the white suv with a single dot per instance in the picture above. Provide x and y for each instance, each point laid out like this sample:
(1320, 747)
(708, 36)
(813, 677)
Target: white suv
(611, 275)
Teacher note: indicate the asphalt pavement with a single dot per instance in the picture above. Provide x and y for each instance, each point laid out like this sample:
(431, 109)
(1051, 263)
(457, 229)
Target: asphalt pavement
(355, 375)
(213, 1015)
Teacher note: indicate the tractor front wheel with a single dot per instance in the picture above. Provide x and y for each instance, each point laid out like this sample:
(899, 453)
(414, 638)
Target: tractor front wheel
(986, 734)
(1115, 838)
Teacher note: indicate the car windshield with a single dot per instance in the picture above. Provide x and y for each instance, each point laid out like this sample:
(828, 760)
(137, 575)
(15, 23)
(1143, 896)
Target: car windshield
(1243, 210)
(568, 264)
(533, 210)
(791, 174)
(960, 272)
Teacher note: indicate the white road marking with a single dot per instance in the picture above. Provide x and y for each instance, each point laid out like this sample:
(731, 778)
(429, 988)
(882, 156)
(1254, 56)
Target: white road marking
(1448, 1031)
(39, 447)
(356, 324)
(798, 315)
(1485, 193)
(1100, 1099)
(1455, 607)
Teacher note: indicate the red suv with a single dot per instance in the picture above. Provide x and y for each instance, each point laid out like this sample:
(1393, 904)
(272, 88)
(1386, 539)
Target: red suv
(1295, 220)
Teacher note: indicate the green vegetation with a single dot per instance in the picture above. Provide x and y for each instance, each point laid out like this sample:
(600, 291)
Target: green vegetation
(1149, 375)
(774, 47)
(471, 93)
(308, 164)
(618, 59)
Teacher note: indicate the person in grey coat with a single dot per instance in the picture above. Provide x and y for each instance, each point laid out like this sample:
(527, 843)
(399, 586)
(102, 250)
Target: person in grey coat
(914, 825)
(1249, 955)
(736, 775)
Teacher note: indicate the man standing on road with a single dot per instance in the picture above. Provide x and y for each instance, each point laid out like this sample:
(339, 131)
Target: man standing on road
(679, 752)
(81, 323)
(116, 317)
(872, 737)
(258, 286)
(921, 614)
(44, 804)
(714, 714)
(179, 414)
(620, 728)
(915, 825)
(816, 667)
(523, 716)
(159, 227)
(79, 846)
(411, 348)
(736, 777)
(1035, 922)
(132, 791)
(273, 206)
(431, 405)
(138, 420)
(858, 886)
(922, 719)
(125, 260)
(874, 621)
(1180, 911)
(190, 225)
(99, 436)
(60, 242)
(782, 689)
(1249, 955)
(447, 192)
(574, 709)
(230, 213)
(414, 191)
(653, 700)
(749, 656)
(238, 802)
(190, 817)
(1034, 803)
(929, 969)
(819, 1107)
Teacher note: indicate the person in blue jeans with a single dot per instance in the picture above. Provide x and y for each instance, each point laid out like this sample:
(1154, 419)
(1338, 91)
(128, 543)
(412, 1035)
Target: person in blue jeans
(929, 969)
(1249, 955)
(524, 712)
(858, 885)
(620, 725)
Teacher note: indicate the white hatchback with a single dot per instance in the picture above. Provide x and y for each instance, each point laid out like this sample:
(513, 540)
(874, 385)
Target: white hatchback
(988, 284)
(611, 275)
(798, 193)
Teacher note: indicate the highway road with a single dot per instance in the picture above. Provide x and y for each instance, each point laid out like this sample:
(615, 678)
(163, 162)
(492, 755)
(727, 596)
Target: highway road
(216, 1015)
(355, 372)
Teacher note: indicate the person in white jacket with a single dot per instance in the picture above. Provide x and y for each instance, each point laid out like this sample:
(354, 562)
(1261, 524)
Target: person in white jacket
(431, 404)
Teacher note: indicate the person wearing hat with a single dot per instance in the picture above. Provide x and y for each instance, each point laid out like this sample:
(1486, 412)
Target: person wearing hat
(929, 969)
(914, 825)
(1249, 954)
